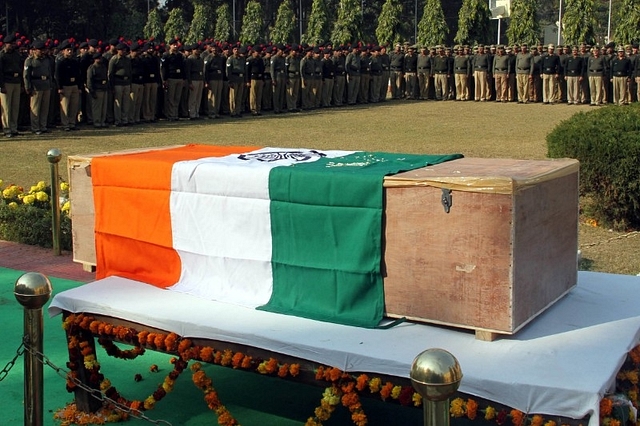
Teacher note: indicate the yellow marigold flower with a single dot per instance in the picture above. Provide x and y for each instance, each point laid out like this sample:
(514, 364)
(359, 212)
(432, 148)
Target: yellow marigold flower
(64, 186)
(395, 392)
(13, 204)
(457, 407)
(550, 423)
(374, 384)
(149, 403)
(29, 199)
(417, 399)
(614, 422)
(42, 196)
(632, 376)
(489, 413)
(41, 185)
(33, 189)
(329, 395)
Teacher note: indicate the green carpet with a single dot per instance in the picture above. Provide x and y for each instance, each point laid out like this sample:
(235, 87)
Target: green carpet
(251, 398)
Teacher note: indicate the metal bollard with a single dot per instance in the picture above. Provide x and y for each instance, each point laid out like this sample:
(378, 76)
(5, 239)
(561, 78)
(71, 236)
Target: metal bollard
(33, 290)
(54, 157)
(436, 375)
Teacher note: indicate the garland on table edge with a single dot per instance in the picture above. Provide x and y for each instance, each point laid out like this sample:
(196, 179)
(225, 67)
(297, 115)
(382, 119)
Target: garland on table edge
(344, 387)
(81, 349)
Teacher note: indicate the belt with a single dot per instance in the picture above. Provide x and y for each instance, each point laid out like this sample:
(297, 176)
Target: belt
(441, 72)
(423, 69)
(481, 68)
(461, 68)
(412, 72)
(501, 69)
(595, 70)
(619, 74)
(549, 69)
(524, 69)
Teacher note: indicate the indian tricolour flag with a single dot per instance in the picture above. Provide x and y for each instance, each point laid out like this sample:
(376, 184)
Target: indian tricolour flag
(293, 231)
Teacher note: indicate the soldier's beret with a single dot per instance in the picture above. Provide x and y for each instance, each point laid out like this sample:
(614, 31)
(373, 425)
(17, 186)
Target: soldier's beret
(121, 46)
(481, 46)
(93, 42)
(64, 45)
(114, 42)
(83, 45)
(635, 46)
(135, 47)
(97, 55)
(280, 46)
(38, 44)
(242, 50)
(174, 41)
(316, 49)
(327, 51)
(268, 49)
(10, 38)
(610, 45)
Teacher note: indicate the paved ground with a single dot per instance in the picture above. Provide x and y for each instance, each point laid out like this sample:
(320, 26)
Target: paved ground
(37, 259)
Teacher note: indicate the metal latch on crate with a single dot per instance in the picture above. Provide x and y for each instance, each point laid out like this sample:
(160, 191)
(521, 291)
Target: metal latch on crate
(447, 200)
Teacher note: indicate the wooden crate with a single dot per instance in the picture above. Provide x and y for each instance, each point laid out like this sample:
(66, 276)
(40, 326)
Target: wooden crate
(82, 210)
(505, 251)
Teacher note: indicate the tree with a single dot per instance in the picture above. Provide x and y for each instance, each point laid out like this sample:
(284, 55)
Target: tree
(579, 22)
(347, 26)
(153, 30)
(473, 22)
(175, 27)
(318, 30)
(223, 23)
(388, 22)
(523, 23)
(251, 32)
(432, 28)
(628, 19)
(201, 26)
(283, 30)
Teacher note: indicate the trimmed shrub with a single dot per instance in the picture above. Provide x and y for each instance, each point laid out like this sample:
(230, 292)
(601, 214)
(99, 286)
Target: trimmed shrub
(606, 141)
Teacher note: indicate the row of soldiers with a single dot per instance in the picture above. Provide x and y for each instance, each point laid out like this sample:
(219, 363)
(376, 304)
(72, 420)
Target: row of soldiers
(128, 83)
(576, 75)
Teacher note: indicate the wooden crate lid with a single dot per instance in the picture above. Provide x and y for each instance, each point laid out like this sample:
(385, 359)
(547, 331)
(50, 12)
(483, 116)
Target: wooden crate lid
(487, 175)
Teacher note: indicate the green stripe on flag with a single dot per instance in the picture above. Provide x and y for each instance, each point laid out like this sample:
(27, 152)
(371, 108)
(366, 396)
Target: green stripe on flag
(326, 225)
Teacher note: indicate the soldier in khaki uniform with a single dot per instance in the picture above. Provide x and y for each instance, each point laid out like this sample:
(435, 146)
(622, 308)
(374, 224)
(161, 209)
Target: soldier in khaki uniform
(10, 79)
(37, 83)
(236, 73)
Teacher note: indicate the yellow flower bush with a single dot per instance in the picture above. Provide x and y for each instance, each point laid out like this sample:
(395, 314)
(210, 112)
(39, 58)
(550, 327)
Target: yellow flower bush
(26, 216)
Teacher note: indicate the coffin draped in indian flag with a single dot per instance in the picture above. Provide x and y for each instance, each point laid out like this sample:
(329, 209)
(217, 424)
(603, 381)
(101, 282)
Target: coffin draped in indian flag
(292, 231)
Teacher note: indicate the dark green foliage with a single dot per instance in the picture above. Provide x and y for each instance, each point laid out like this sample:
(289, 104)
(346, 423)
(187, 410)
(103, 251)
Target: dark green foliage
(32, 225)
(607, 144)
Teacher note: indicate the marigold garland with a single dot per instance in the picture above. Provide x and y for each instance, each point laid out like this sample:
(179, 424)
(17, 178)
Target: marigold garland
(344, 387)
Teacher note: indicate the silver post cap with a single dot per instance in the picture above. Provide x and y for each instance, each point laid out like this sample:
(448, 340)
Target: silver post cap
(32, 290)
(435, 374)
(54, 155)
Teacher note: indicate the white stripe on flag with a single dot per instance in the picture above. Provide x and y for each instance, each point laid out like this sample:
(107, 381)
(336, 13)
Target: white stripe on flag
(221, 226)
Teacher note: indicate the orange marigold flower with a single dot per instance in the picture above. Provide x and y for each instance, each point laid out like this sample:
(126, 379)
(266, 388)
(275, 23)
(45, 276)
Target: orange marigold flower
(362, 382)
(159, 341)
(550, 423)
(135, 405)
(334, 374)
(517, 417)
(93, 327)
(350, 399)
(151, 337)
(294, 369)
(283, 370)
(359, 418)
(472, 409)
(385, 392)
(606, 405)
(247, 361)
(272, 365)
(201, 380)
(320, 373)
(211, 398)
(206, 354)
(87, 351)
(171, 342)
(236, 361)
(614, 422)
(184, 345)
(226, 419)
(217, 357)
(227, 357)
(537, 420)
(107, 328)
(142, 337)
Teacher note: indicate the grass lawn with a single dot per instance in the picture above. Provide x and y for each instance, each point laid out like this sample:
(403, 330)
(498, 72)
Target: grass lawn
(490, 130)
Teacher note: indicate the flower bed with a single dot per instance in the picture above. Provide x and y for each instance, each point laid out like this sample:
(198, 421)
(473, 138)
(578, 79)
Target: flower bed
(25, 215)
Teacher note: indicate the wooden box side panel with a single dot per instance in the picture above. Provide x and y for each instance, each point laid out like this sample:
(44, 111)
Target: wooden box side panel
(82, 210)
(546, 245)
(448, 268)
